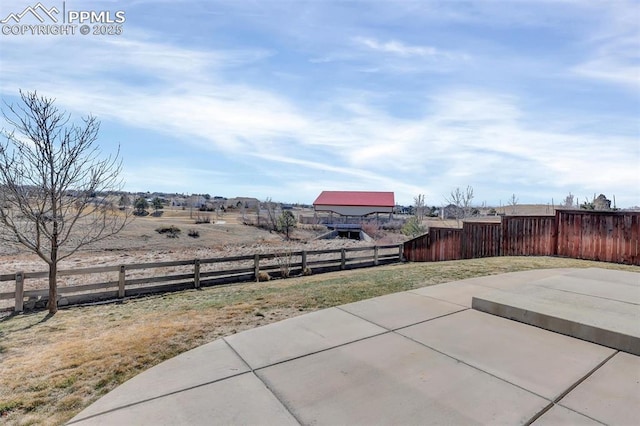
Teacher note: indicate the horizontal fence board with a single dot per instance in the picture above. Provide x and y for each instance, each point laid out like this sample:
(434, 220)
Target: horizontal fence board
(351, 259)
(159, 264)
(36, 275)
(139, 291)
(355, 249)
(150, 280)
(279, 255)
(278, 267)
(324, 262)
(84, 271)
(7, 296)
(229, 279)
(36, 293)
(225, 259)
(7, 277)
(388, 257)
(225, 272)
(314, 252)
(87, 287)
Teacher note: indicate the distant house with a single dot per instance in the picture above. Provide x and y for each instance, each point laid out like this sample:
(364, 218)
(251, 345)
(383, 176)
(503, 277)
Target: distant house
(355, 203)
(452, 212)
(246, 202)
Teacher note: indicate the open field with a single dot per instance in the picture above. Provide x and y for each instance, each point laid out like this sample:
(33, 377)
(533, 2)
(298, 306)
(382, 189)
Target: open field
(52, 367)
(140, 243)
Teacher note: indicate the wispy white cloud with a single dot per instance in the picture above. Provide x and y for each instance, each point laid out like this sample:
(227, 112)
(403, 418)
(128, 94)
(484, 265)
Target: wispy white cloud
(397, 48)
(614, 54)
(616, 61)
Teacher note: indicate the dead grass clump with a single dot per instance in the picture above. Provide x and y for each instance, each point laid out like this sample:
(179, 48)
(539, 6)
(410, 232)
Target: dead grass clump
(264, 276)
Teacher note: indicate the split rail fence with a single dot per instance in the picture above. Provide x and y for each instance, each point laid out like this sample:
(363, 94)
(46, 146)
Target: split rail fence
(604, 236)
(134, 279)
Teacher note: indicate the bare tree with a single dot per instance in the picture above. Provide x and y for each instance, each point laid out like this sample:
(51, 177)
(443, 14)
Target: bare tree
(462, 202)
(568, 201)
(272, 218)
(513, 202)
(54, 185)
(419, 206)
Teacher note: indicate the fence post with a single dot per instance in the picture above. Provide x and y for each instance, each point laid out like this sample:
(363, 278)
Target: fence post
(343, 258)
(256, 266)
(121, 282)
(375, 256)
(304, 262)
(401, 252)
(196, 273)
(19, 291)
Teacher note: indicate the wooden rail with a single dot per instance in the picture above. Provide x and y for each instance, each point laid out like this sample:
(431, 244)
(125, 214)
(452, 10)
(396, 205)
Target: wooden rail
(243, 269)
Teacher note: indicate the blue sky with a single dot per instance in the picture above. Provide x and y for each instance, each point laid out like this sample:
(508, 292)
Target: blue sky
(284, 99)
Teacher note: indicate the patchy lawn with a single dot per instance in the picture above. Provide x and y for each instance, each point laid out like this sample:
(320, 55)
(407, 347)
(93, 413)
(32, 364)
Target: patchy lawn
(51, 367)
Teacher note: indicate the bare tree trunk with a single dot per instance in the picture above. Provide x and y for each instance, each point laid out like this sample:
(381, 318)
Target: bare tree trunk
(53, 268)
(52, 304)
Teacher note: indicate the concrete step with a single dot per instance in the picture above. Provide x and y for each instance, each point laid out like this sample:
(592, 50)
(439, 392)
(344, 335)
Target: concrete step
(579, 305)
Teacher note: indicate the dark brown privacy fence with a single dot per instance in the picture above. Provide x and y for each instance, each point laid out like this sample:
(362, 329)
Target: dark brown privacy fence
(580, 234)
(121, 281)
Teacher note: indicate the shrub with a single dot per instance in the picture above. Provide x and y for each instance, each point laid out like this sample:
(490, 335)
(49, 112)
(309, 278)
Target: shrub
(393, 225)
(204, 218)
(264, 276)
(194, 233)
(372, 229)
(170, 231)
(141, 205)
(413, 227)
(284, 263)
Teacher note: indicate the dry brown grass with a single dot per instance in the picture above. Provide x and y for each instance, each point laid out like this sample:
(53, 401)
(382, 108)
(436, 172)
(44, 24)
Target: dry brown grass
(53, 366)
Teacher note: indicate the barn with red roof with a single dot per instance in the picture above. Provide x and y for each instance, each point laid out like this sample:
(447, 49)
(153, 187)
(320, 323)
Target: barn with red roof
(355, 203)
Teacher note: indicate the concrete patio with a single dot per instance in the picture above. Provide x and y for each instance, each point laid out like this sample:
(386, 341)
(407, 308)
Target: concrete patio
(446, 354)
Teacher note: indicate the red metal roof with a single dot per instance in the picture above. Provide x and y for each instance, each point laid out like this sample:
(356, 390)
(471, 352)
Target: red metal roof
(355, 198)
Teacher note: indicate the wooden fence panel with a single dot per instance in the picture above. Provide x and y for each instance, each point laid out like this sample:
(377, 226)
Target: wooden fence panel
(415, 250)
(439, 244)
(481, 239)
(528, 235)
(446, 244)
(604, 236)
